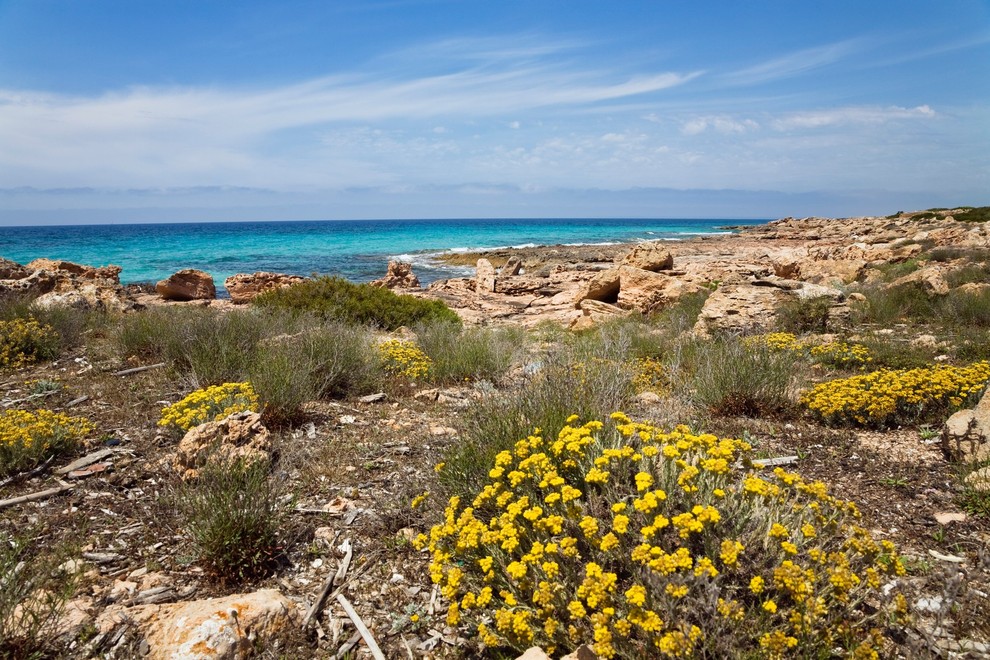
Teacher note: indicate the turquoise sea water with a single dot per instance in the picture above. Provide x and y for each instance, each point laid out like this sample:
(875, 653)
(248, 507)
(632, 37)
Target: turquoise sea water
(358, 250)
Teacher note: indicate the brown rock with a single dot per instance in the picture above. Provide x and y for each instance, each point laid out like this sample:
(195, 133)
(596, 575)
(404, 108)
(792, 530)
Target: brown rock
(245, 287)
(11, 270)
(603, 287)
(649, 256)
(109, 274)
(399, 276)
(188, 284)
(930, 280)
(484, 278)
(512, 267)
(647, 291)
(966, 434)
(240, 436)
(216, 629)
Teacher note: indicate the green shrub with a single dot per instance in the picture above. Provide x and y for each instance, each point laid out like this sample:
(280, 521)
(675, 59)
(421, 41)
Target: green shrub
(209, 404)
(801, 315)
(681, 316)
(233, 514)
(28, 438)
(732, 378)
(33, 593)
(23, 341)
(970, 214)
(978, 273)
(965, 309)
(894, 353)
(643, 544)
(889, 305)
(337, 299)
(460, 354)
(892, 270)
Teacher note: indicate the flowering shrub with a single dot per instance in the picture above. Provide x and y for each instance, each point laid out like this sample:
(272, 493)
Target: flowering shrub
(208, 404)
(887, 397)
(650, 376)
(23, 341)
(404, 358)
(29, 438)
(644, 543)
(834, 353)
(780, 341)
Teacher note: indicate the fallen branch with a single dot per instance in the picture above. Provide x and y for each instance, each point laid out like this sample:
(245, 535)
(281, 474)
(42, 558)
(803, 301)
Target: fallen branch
(128, 372)
(376, 652)
(88, 459)
(40, 495)
(77, 401)
(27, 475)
(328, 585)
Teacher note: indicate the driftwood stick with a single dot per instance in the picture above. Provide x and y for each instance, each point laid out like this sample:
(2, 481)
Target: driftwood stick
(376, 652)
(40, 495)
(128, 372)
(328, 585)
(77, 401)
(348, 645)
(89, 459)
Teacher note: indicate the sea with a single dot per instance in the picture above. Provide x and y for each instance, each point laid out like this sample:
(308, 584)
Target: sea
(358, 250)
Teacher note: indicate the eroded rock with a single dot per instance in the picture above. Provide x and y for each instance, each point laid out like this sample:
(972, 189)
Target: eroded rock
(966, 434)
(399, 276)
(187, 284)
(245, 287)
(240, 436)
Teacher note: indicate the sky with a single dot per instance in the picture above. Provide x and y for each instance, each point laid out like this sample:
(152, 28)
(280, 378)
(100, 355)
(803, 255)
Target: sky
(203, 110)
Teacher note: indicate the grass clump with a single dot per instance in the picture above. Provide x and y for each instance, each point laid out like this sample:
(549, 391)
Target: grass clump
(233, 513)
(336, 298)
(206, 405)
(24, 341)
(801, 315)
(971, 214)
(645, 543)
(463, 354)
(730, 377)
(27, 439)
(33, 594)
(886, 398)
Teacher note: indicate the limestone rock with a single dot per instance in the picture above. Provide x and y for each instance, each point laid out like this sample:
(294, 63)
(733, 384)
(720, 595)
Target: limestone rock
(399, 276)
(966, 434)
(188, 284)
(534, 653)
(63, 283)
(30, 285)
(240, 436)
(512, 267)
(107, 274)
(11, 270)
(979, 480)
(603, 287)
(216, 629)
(595, 312)
(647, 291)
(930, 280)
(245, 287)
(752, 306)
(484, 277)
(649, 256)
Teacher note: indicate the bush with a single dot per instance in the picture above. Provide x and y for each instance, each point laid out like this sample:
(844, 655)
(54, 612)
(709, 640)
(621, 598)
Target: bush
(563, 382)
(961, 308)
(33, 593)
(887, 398)
(889, 305)
(206, 405)
(404, 358)
(337, 299)
(836, 354)
(970, 214)
(23, 341)
(732, 378)
(802, 315)
(646, 544)
(233, 514)
(27, 439)
(457, 355)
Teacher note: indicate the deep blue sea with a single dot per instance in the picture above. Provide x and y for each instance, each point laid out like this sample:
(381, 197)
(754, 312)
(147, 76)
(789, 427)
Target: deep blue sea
(356, 249)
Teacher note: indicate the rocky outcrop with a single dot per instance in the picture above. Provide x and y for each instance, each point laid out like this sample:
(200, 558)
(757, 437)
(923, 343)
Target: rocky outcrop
(484, 278)
(399, 276)
(245, 287)
(594, 312)
(227, 628)
(647, 291)
(930, 280)
(743, 307)
(966, 434)
(63, 283)
(649, 256)
(187, 284)
(239, 437)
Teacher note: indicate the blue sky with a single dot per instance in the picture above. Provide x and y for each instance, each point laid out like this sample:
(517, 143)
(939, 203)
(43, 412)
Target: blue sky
(116, 110)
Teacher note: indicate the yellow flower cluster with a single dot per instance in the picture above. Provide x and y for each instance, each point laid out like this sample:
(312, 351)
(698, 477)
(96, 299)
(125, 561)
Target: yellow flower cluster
(404, 358)
(28, 438)
(208, 404)
(22, 341)
(646, 543)
(833, 353)
(650, 375)
(887, 397)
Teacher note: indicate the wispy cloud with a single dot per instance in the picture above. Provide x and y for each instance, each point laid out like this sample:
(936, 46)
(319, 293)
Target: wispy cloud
(721, 124)
(794, 64)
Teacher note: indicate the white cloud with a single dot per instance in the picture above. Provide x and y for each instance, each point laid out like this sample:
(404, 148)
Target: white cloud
(851, 115)
(722, 124)
(794, 64)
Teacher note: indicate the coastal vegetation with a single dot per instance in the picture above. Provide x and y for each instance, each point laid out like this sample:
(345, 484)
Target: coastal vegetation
(638, 486)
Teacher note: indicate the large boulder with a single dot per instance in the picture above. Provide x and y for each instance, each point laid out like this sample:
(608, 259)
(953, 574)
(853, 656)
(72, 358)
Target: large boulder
(594, 312)
(63, 283)
(930, 280)
(484, 278)
(245, 287)
(239, 437)
(187, 284)
(647, 291)
(649, 256)
(966, 434)
(752, 306)
(603, 287)
(106, 274)
(399, 276)
(227, 628)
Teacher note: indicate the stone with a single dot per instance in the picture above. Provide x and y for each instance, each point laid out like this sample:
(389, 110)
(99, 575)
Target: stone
(603, 286)
(788, 267)
(966, 434)
(484, 278)
(187, 284)
(979, 480)
(647, 292)
(227, 628)
(949, 517)
(240, 436)
(582, 652)
(511, 268)
(649, 256)
(930, 280)
(245, 287)
(398, 276)
(739, 308)
(534, 653)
